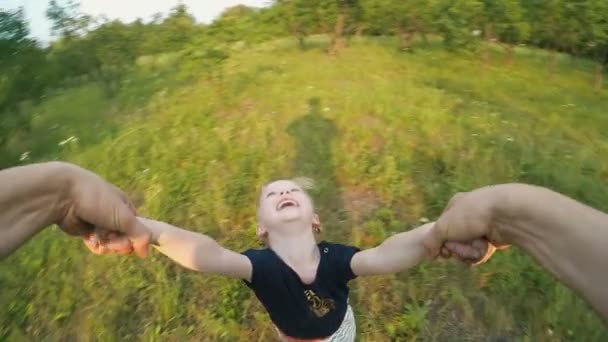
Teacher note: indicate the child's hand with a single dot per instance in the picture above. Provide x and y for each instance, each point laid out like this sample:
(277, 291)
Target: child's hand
(108, 242)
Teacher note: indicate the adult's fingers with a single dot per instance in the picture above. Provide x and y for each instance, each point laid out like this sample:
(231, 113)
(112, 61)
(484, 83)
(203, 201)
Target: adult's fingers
(126, 200)
(490, 249)
(119, 218)
(475, 253)
(73, 225)
(136, 232)
(463, 251)
(137, 236)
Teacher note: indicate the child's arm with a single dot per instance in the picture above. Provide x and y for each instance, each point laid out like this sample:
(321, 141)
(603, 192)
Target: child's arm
(397, 253)
(196, 251)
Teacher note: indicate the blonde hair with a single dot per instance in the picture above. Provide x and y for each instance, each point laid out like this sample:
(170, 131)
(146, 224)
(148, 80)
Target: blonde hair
(306, 184)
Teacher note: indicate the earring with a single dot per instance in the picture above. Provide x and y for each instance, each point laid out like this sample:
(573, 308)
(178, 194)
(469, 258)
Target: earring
(316, 228)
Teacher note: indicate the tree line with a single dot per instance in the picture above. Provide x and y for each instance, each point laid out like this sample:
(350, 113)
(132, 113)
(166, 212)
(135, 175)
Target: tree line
(89, 48)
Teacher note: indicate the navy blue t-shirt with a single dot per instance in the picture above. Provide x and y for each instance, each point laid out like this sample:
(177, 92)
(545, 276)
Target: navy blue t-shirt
(302, 310)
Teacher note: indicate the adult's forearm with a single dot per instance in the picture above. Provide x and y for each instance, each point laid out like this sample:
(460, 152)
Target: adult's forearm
(566, 237)
(32, 197)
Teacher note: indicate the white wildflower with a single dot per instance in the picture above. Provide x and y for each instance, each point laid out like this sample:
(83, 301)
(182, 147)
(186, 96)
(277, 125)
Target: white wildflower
(70, 139)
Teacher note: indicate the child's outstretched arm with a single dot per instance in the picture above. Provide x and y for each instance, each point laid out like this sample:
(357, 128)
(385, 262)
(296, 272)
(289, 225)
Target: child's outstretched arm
(197, 251)
(397, 253)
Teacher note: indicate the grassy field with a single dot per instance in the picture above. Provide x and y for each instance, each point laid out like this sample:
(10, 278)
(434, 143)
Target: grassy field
(388, 136)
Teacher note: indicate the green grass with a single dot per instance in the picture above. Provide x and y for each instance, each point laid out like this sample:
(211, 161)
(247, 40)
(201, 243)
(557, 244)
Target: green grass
(393, 137)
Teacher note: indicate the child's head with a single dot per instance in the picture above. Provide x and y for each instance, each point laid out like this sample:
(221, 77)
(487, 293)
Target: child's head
(285, 205)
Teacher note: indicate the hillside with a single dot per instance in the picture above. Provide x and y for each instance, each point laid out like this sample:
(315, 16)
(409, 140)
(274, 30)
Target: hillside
(388, 137)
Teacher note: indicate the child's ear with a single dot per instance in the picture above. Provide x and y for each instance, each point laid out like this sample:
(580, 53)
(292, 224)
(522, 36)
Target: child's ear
(316, 223)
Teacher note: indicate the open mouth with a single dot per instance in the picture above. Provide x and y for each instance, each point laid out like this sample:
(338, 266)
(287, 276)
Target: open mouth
(286, 203)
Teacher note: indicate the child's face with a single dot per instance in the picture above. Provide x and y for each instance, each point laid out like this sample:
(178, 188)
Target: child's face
(284, 201)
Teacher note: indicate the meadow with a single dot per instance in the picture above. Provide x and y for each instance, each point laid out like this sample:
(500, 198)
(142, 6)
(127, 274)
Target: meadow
(388, 137)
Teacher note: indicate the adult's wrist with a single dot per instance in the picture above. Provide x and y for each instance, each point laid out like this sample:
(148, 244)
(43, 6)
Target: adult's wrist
(513, 207)
(58, 183)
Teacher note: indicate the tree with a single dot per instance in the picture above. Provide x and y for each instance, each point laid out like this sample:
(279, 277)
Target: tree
(402, 18)
(114, 45)
(301, 18)
(268, 23)
(67, 21)
(596, 37)
(178, 28)
(20, 60)
(556, 25)
(13, 31)
(234, 24)
(505, 20)
(458, 22)
(343, 9)
(21, 71)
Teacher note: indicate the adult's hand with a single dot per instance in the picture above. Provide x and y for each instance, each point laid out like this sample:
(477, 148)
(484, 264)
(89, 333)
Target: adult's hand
(94, 203)
(35, 196)
(566, 237)
(467, 227)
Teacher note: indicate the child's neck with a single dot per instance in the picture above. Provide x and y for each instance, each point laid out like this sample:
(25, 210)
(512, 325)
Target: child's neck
(297, 249)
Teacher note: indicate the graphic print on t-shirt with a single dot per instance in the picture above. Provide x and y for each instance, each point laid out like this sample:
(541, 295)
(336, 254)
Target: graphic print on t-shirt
(320, 306)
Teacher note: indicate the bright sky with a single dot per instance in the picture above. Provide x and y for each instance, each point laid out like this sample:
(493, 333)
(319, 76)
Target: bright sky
(126, 10)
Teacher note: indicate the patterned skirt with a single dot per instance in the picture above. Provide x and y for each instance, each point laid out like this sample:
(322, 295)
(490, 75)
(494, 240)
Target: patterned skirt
(345, 333)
